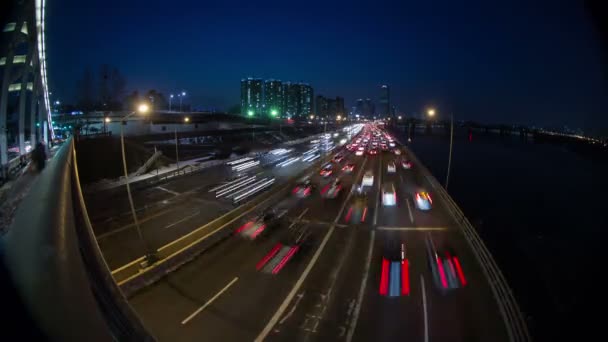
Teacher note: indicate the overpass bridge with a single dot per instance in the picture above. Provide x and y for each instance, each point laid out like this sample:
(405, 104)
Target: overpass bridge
(382, 276)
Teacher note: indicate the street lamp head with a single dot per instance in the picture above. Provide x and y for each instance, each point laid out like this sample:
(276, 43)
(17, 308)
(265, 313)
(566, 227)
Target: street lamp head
(183, 93)
(312, 117)
(431, 112)
(399, 117)
(274, 112)
(107, 120)
(171, 95)
(339, 117)
(186, 119)
(143, 108)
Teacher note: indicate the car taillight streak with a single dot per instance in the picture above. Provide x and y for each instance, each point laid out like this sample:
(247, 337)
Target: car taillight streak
(463, 281)
(243, 227)
(384, 277)
(405, 277)
(441, 272)
(285, 259)
(268, 256)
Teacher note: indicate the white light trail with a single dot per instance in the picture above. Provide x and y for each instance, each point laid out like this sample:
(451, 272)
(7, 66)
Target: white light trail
(235, 186)
(254, 190)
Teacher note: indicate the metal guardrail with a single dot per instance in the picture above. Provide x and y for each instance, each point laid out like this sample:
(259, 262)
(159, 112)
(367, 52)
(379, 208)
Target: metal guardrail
(132, 276)
(57, 267)
(509, 309)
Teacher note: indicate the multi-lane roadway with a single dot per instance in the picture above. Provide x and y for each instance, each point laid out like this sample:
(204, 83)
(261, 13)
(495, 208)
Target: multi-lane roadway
(319, 273)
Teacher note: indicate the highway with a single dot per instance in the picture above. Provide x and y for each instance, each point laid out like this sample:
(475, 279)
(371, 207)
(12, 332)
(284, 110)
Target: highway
(348, 280)
(183, 204)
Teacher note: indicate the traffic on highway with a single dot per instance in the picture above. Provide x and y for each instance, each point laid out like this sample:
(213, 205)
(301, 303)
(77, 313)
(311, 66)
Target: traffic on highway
(358, 247)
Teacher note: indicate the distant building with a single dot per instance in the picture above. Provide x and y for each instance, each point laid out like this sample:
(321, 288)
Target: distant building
(368, 108)
(251, 97)
(321, 106)
(306, 100)
(385, 102)
(298, 100)
(291, 98)
(273, 97)
(359, 107)
(328, 107)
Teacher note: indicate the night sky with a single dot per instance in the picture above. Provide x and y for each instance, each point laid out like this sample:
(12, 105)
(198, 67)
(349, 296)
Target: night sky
(531, 62)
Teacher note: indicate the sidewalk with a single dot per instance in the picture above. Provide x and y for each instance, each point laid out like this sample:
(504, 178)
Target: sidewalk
(13, 191)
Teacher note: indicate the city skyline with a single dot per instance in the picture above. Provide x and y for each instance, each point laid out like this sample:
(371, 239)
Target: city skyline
(480, 65)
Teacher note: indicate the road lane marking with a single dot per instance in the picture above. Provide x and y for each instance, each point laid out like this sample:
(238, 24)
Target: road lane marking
(409, 210)
(378, 194)
(321, 223)
(183, 219)
(299, 219)
(275, 318)
(293, 308)
(187, 319)
(125, 227)
(426, 317)
(412, 228)
(355, 317)
(167, 190)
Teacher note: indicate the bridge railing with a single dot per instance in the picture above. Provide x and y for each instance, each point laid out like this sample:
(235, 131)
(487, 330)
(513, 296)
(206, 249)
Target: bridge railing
(509, 309)
(56, 266)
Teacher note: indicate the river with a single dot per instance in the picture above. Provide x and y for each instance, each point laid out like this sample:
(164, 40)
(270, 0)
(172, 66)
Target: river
(541, 210)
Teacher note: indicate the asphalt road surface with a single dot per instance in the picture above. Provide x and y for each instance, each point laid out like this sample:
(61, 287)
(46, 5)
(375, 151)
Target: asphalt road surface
(347, 280)
(175, 208)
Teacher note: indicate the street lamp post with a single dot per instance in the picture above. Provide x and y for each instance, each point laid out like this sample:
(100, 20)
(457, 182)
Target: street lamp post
(186, 120)
(431, 113)
(447, 177)
(106, 121)
(170, 100)
(181, 97)
(150, 255)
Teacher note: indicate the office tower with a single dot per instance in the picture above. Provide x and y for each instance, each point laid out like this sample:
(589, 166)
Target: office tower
(385, 102)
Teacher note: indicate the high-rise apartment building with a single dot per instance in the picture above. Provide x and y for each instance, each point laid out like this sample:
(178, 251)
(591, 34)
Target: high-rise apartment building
(251, 97)
(306, 100)
(273, 98)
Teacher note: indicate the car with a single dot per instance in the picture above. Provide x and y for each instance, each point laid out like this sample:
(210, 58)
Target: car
(445, 266)
(389, 195)
(297, 238)
(373, 152)
(406, 164)
(326, 171)
(303, 189)
(338, 158)
(423, 200)
(359, 153)
(395, 270)
(357, 212)
(260, 224)
(397, 152)
(332, 190)
(348, 167)
(390, 168)
(383, 147)
(368, 179)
